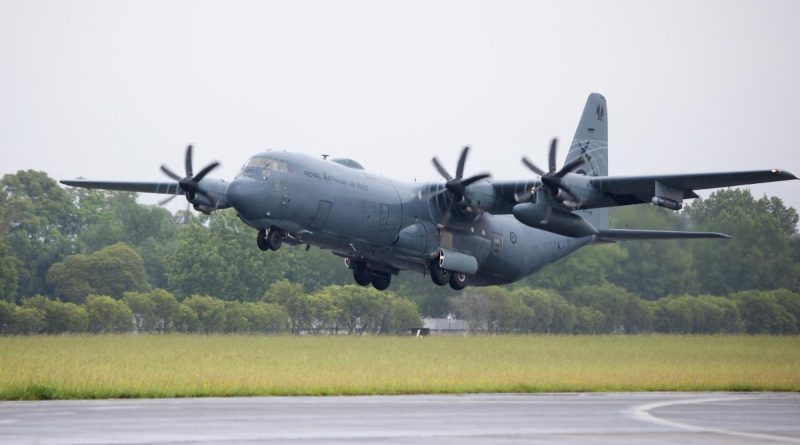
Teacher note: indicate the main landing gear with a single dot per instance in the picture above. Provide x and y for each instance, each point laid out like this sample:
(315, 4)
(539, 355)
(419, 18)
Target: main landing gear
(364, 276)
(271, 240)
(440, 277)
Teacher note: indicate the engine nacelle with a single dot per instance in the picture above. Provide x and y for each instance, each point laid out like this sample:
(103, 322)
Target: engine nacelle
(558, 221)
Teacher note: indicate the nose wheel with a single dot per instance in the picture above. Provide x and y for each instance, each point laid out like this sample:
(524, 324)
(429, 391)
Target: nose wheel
(271, 240)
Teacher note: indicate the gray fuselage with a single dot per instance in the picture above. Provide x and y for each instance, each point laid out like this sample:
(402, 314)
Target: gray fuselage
(336, 205)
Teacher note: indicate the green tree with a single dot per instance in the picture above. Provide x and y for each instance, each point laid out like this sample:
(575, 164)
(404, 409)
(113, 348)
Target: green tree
(236, 320)
(589, 321)
(623, 311)
(7, 317)
(143, 308)
(166, 311)
(8, 273)
(108, 315)
(762, 314)
(759, 256)
(210, 312)
(59, 317)
(404, 316)
(110, 271)
(297, 303)
(186, 319)
(37, 223)
(362, 309)
(27, 320)
(266, 317)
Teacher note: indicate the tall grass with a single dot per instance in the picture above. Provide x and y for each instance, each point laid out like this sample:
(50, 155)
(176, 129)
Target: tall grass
(47, 367)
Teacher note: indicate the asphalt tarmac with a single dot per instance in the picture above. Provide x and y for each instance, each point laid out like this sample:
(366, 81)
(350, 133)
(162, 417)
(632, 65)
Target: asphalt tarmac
(630, 418)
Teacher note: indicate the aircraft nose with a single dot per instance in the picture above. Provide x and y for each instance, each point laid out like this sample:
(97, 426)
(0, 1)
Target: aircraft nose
(242, 194)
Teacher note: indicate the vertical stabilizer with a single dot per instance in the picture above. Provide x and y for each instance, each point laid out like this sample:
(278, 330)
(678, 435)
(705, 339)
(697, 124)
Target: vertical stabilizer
(591, 141)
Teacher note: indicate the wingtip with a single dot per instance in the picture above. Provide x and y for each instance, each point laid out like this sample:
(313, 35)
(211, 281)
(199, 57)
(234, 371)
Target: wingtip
(785, 175)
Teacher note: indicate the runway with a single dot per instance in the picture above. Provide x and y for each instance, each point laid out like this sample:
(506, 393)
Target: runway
(627, 418)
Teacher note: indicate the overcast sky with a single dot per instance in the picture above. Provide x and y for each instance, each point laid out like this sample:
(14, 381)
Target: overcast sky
(113, 89)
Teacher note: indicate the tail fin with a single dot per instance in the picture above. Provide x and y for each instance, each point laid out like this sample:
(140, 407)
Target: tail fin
(591, 141)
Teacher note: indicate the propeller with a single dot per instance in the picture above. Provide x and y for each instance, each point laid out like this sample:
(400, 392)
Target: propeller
(552, 179)
(456, 186)
(190, 184)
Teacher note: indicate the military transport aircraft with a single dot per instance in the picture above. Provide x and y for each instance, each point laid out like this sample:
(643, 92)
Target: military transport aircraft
(467, 229)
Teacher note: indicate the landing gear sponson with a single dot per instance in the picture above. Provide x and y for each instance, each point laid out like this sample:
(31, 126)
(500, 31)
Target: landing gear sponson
(364, 276)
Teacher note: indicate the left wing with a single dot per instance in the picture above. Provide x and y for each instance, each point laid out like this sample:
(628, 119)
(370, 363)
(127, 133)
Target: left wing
(621, 190)
(611, 191)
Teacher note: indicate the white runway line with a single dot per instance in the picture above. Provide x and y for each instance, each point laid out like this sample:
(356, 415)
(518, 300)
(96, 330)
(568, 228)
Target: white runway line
(642, 413)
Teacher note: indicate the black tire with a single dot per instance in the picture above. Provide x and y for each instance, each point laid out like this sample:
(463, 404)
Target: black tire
(261, 240)
(458, 280)
(361, 274)
(381, 281)
(439, 276)
(275, 239)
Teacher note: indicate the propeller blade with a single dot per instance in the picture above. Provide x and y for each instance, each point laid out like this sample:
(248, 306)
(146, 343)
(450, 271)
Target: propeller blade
(202, 173)
(461, 161)
(551, 158)
(533, 167)
(165, 201)
(441, 169)
(473, 179)
(170, 173)
(571, 166)
(188, 161)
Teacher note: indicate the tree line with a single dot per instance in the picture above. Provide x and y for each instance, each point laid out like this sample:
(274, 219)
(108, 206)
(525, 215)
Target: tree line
(284, 308)
(67, 245)
(608, 309)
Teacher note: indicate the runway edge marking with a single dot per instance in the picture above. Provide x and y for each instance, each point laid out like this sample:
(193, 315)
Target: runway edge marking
(642, 413)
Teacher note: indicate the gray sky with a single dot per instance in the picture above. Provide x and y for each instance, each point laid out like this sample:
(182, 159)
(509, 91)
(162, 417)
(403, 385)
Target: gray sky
(113, 89)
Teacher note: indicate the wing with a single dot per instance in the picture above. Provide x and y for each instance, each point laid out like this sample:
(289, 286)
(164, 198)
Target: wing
(621, 190)
(167, 188)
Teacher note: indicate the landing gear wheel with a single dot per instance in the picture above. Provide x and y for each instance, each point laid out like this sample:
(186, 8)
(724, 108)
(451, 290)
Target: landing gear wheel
(381, 281)
(261, 240)
(458, 280)
(439, 276)
(361, 274)
(275, 238)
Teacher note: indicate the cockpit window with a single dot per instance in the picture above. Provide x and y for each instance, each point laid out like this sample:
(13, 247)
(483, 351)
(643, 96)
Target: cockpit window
(265, 166)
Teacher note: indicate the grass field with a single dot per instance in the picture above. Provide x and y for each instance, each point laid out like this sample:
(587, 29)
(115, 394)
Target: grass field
(56, 367)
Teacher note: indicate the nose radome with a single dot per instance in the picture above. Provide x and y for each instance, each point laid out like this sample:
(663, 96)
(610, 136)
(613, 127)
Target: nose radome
(242, 194)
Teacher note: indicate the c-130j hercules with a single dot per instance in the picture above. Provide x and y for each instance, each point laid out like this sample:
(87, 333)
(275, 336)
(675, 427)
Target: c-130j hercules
(464, 230)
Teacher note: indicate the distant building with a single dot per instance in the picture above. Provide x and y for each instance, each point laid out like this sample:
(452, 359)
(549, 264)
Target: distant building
(445, 325)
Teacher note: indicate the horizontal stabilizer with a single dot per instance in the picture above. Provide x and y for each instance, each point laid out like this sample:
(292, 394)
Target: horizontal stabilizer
(625, 234)
(168, 188)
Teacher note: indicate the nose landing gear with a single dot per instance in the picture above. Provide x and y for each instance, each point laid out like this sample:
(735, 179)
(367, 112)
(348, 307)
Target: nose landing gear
(271, 240)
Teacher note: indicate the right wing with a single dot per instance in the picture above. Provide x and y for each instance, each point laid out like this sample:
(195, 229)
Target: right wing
(167, 188)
